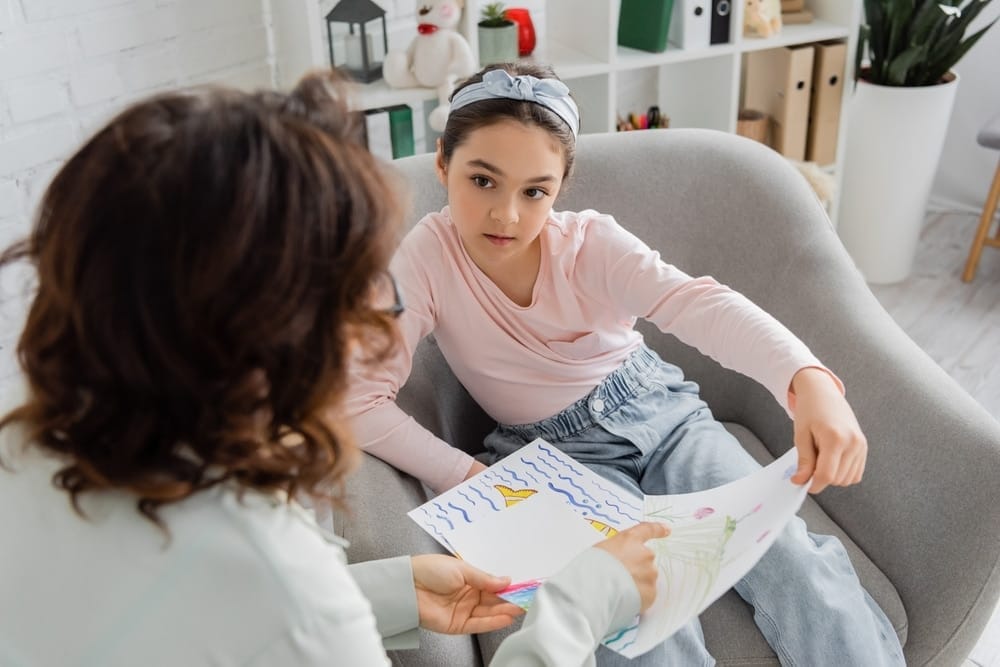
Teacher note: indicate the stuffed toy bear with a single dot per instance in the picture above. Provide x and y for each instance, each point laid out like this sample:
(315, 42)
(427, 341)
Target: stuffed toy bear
(437, 57)
(761, 18)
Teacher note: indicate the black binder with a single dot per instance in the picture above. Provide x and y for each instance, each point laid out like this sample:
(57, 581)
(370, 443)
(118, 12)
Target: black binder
(722, 11)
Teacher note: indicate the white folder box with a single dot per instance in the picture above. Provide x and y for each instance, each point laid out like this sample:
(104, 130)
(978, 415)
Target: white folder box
(690, 24)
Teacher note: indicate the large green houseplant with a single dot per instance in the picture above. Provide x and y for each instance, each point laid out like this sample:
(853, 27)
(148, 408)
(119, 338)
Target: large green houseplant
(915, 42)
(897, 122)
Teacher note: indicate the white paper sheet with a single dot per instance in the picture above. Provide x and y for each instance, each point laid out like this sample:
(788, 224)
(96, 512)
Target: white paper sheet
(717, 535)
(541, 534)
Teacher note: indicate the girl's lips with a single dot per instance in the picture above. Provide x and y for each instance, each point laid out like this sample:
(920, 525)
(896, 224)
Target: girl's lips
(499, 240)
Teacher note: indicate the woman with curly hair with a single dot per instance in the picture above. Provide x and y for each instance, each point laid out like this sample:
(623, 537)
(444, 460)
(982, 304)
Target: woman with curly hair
(207, 265)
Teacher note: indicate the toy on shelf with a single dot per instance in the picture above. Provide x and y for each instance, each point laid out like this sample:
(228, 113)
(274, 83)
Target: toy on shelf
(651, 120)
(437, 57)
(762, 18)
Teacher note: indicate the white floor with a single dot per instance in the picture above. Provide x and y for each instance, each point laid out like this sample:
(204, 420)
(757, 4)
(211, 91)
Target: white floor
(958, 325)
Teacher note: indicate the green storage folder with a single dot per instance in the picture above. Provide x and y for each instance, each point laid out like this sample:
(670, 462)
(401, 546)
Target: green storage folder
(643, 24)
(401, 130)
(389, 131)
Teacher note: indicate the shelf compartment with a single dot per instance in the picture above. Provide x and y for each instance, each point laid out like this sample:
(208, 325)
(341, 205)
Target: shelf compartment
(790, 35)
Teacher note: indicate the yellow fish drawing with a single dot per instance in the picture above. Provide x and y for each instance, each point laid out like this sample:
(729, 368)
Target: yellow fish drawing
(610, 531)
(512, 496)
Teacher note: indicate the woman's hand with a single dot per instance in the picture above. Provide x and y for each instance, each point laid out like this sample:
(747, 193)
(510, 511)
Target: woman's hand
(629, 546)
(455, 598)
(832, 449)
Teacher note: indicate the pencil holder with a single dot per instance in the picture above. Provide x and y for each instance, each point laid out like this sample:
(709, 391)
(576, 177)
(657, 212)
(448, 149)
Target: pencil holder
(753, 124)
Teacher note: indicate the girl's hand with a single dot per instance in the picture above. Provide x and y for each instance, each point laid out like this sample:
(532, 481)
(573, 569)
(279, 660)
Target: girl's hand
(832, 449)
(455, 598)
(629, 546)
(476, 468)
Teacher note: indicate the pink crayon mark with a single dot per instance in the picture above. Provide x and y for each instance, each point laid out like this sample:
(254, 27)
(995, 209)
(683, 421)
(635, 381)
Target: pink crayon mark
(757, 509)
(521, 586)
(763, 535)
(702, 512)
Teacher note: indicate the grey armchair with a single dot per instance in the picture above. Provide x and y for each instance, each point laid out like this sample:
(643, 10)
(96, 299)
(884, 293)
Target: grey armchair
(923, 528)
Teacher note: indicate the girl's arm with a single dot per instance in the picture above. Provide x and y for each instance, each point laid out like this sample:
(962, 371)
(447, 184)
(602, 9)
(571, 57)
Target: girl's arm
(720, 322)
(380, 426)
(728, 327)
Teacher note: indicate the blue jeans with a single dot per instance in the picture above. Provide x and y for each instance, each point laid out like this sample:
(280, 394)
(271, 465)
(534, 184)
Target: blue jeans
(645, 428)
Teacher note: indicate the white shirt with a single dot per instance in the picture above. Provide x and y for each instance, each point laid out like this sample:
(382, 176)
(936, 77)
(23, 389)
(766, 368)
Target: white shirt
(256, 583)
(251, 582)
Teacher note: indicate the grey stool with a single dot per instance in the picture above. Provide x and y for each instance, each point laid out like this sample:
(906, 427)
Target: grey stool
(989, 136)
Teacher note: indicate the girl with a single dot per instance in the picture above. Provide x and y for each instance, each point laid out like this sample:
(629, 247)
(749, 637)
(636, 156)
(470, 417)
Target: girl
(206, 263)
(534, 312)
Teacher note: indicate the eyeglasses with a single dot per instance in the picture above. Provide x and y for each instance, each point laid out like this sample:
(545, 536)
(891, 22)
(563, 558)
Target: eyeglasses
(385, 295)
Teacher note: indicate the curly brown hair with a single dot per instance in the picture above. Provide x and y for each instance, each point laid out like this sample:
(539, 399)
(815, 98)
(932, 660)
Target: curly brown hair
(205, 264)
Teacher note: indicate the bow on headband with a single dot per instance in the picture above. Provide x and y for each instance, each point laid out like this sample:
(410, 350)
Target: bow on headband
(498, 84)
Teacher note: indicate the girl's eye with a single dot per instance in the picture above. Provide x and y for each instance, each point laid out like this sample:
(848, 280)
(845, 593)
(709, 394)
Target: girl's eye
(535, 193)
(481, 181)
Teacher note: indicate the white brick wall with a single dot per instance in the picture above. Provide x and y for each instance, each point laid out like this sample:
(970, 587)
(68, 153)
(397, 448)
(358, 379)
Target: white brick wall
(66, 66)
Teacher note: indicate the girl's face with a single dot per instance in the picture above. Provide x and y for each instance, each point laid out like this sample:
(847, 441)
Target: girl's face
(502, 181)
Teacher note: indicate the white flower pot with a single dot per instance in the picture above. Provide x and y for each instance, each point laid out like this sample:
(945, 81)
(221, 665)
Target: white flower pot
(890, 158)
(498, 45)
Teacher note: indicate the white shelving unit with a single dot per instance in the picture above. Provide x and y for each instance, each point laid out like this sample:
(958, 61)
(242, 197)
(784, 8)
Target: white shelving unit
(694, 87)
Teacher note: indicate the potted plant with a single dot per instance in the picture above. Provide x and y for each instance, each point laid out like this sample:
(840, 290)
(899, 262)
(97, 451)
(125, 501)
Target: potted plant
(497, 35)
(898, 117)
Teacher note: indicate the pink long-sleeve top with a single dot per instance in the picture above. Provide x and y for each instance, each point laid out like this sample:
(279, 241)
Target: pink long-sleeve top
(526, 363)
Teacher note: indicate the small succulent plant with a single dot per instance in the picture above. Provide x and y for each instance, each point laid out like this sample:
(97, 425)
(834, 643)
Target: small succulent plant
(493, 16)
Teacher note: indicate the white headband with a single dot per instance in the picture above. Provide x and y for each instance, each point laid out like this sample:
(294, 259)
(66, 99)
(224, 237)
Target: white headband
(498, 84)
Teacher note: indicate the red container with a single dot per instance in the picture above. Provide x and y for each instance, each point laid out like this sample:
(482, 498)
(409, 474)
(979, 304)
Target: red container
(525, 29)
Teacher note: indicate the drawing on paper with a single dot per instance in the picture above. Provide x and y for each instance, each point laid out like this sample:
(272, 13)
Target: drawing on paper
(714, 542)
(541, 469)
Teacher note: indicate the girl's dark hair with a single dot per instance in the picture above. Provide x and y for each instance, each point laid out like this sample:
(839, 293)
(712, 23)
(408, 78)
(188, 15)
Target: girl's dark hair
(204, 268)
(461, 122)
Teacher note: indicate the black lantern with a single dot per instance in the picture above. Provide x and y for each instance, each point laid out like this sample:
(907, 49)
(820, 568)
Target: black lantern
(360, 59)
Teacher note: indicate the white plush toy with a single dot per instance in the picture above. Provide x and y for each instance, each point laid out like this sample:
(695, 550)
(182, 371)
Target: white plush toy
(437, 57)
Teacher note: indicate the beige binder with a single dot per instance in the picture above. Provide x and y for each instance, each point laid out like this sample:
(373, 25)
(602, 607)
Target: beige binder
(778, 83)
(827, 92)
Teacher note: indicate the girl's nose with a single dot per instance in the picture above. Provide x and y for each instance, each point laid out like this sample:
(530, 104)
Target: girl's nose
(505, 213)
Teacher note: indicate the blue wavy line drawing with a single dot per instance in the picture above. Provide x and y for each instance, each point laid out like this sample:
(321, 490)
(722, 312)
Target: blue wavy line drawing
(533, 478)
(619, 498)
(578, 487)
(570, 468)
(465, 514)
(438, 532)
(537, 469)
(451, 526)
(546, 462)
(618, 509)
(628, 644)
(495, 508)
(573, 501)
(466, 496)
(514, 475)
(618, 635)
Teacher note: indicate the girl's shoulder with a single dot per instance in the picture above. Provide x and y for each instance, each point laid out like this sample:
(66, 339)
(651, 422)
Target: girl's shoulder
(586, 227)
(434, 234)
